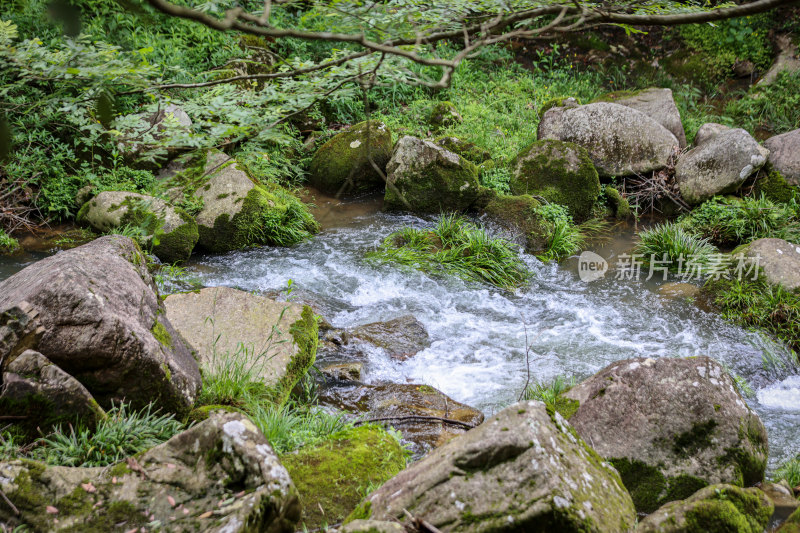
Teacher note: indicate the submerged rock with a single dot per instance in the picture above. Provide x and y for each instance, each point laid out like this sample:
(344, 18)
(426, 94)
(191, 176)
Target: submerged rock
(221, 323)
(400, 338)
(782, 497)
(342, 165)
(670, 426)
(620, 140)
(344, 371)
(524, 469)
(105, 325)
(560, 172)
(425, 178)
(777, 259)
(719, 165)
(332, 476)
(784, 155)
(174, 229)
(656, 103)
(221, 475)
(715, 508)
(403, 405)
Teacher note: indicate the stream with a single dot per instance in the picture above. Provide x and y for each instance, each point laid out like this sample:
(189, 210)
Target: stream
(478, 333)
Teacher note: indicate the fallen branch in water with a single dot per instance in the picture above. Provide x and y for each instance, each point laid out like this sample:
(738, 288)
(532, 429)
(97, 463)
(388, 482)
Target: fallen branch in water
(417, 418)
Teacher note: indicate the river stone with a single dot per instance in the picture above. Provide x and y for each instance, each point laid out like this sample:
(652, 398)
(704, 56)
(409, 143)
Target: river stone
(787, 61)
(778, 260)
(425, 178)
(401, 403)
(401, 338)
(524, 469)
(176, 229)
(342, 165)
(784, 155)
(344, 371)
(560, 172)
(518, 215)
(782, 497)
(35, 387)
(792, 524)
(707, 131)
(372, 526)
(620, 140)
(236, 208)
(220, 322)
(105, 325)
(656, 103)
(670, 426)
(220, 475)
(714, 508)
(719, 165)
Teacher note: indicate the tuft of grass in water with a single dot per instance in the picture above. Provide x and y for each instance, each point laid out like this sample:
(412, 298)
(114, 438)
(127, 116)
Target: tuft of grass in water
(122, 434)
(7, 242)
(741, 220)
(566, 238)
(790, 471)
(457, 247)
(675, 244)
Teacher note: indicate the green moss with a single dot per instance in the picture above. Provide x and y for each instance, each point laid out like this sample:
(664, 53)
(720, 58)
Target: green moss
(363, 511)
(28, 498)
(305, 332)
(724, 508)
(77, 502)
(774, 186)
(619, 204)
(716, 516)
(698, 438)
(161, 334)
(467, 150)
(649, 488)
(554, 102)
(444, 114)
(177, 245)
(202, 412)
(331, 477)
(519, 213)
(560, 172)
(682, 486)
(792, 524)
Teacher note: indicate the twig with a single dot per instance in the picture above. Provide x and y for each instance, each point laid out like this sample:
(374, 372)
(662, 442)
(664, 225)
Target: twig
(13, 508)
(418, 418)
(10, 417)
(421, 524)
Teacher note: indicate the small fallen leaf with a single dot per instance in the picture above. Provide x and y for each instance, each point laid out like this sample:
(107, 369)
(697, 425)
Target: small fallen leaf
(239, 494)
(88, 487)
(185, 510)
(207, 514)
(171, 501)
(134, 530)
(114, 480)
(170, 465)
(51, 510)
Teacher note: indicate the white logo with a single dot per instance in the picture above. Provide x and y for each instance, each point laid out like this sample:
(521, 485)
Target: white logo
(591, 266)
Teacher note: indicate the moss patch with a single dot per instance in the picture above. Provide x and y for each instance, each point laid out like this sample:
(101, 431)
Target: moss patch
(649, 488)
(305, 332)
(336, 474)
(519, 213)
(774, 186)
(161, 334)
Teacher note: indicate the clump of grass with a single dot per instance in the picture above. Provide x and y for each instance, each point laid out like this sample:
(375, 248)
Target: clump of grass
(772, 107)
(173, 278)
(121, 434)
(552, 395)
(292, 426)
(7, 243)
(457, 247)
(790, 471)
(741, 220)
(565, 237)
(675, 244)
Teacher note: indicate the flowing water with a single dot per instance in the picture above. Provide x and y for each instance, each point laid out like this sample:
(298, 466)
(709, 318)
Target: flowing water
(478, 333)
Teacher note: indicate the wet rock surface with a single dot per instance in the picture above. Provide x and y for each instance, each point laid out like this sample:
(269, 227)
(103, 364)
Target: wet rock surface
(778, 260)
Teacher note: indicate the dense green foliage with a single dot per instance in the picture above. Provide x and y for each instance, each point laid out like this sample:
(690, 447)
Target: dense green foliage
(790, 471)
(456, 247)
(564, 236)
(677, 245)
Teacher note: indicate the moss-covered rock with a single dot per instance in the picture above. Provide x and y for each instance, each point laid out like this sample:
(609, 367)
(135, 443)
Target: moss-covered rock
(784, 154)
(561, 101)
(559, 172)
(444, 114)
(619, 204)
(425, 178)
(792, 524)
(342, 165)
(771, 184)
(333, 476)
(717, 508)
(238, 211)
(518, 214)
(467, 150)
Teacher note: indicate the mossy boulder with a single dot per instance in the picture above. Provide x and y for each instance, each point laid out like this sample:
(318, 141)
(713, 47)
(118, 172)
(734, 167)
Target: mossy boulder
(715, 508)
(220, 475)
(173, 232)
(784, 155)
(656, 103)
(690, 429)
(238, 211)
(423, 177)
(772, 185)
(444, 114)
(220, 323)
(707, 131)
(519, 216)
(792, 524)
(342, 165)
(620, 140)
(400, 338)
(619, 205)
(467, 150)
(562, 101)
(524, 469)
(560, 172)
(332, 477)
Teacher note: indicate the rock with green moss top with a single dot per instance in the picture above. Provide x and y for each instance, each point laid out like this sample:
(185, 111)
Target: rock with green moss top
(238, 211)
(562, 101)
(670, 426)
(104, 324)
(620, 140)
(467, 150)
(776, 259)
(715, 508)
(423, 177)
(331, 477)
(618, 203)
(444, 114)
(656, 103)
(220, 475)
(792, 524)
(175, 231)
(560, 172)
(519, 216)
(342, 165)
(46, 395)
(524, 469)
(372, 526)
(784, 155)
(220, 322)
(772, 185)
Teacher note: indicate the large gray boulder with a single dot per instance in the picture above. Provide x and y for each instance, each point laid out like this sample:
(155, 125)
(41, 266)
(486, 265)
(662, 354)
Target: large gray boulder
(777, 259)
(174, 229)
(524, 469)
(219, 476)
(220, 323)
(784, 155)
(670, 426)
(719, 165)
(656, 103)
(105, 325)
(620, 140)
(425, 178)
(707, 131)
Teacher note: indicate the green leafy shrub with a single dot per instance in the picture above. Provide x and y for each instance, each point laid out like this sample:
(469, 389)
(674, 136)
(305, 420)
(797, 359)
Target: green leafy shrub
(457, 247)
(7, 242)
(496, 178)
(565, 237)
(676, 244)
